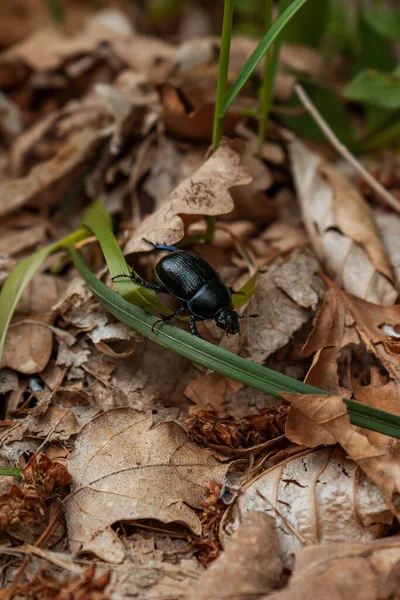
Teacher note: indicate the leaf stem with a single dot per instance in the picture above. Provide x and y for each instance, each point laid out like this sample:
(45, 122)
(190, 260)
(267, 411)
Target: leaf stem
(270, 68)
(223, 70)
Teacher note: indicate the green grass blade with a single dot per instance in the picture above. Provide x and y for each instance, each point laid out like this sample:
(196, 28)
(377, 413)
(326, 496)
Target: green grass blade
(260, 51)
(56, 9)
(11, 471)
(21, 276)
(221, 360)
(96, 218)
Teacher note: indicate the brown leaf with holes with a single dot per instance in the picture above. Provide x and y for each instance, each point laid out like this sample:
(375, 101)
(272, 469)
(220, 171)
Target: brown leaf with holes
(341, 227)
(317, 497)
(206, 192)
(125, 470)
(331, 413)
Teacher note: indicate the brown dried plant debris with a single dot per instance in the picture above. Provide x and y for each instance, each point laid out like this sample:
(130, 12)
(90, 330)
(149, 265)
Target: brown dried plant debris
(46, 586)
(346, 571)
(125, 469)
(206, 426)
(26, 503)
(206, 192)
(341, 227)
(250, 565)
(378, 464)
(317, 497)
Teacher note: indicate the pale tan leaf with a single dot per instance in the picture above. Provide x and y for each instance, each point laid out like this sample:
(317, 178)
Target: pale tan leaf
(28, 348)
(317, 497)
(123, 470)
(343, 572)
(341, 227)
(285, 298)
(206, 192)
(250, 565)
(381, 468)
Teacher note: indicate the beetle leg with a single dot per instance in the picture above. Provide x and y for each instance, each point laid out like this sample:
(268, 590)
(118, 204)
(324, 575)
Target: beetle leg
(161, 246)
(148, 284)
(167, 318)
(193, 328)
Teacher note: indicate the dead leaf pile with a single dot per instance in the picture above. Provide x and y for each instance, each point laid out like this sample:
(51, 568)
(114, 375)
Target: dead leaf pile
(175, 481)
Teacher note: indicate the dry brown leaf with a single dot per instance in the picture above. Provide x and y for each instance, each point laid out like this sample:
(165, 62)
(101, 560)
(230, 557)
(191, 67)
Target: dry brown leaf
(381, 468)
(343, 572)
(341, 227)
(209, 390)
(389, 226)
(250, 565)
(28, 348)
(123, 470)
(317, 497)
(50, 180)
(204, 193)
(285, 297)
(196, 122)
(325, 341)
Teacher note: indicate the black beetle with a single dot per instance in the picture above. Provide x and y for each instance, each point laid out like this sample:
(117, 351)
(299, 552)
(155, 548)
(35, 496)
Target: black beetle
(197, 284)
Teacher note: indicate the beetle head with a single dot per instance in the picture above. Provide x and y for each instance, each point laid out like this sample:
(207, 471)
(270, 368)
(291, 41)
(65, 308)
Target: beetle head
(228, 320)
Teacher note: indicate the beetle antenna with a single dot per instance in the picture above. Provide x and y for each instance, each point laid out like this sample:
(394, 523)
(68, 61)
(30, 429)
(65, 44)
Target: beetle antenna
(248, 316)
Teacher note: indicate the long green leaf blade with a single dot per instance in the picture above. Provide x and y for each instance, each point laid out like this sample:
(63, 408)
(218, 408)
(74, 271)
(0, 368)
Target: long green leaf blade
(221, 360)
(260, 51)
(23, 273)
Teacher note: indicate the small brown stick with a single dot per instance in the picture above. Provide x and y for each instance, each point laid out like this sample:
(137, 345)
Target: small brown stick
(343, 151)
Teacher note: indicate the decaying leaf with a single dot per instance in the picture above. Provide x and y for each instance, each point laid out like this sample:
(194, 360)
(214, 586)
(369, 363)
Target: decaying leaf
(285, 297)
(204, 193)
(341, 227)
(250, 565)
(344, 572)
(377, 464)
(316, 497)
(123, 470)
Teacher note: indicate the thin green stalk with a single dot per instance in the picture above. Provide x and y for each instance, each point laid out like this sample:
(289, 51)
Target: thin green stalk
(265, 91)
(222, 73)
(222, 84)
(270, 68)
(11, 471)
(56, 10)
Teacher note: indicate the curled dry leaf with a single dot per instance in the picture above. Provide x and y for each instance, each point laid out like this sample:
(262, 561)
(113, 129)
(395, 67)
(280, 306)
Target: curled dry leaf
(341, 227)
(123, 470)
(206, 192)
(285, 298)
(250, 565)
(381, 468)
(344, 572)
(325, 340)
(316, 497)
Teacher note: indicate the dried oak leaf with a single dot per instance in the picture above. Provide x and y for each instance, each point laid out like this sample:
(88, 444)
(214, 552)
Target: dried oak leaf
(380, 467)
(316, 497)
(345, 571)
(250, 565)
(204, 193)
(285, 298)
(20, 507)
(341, 227)
(123, 470)
(325, 340)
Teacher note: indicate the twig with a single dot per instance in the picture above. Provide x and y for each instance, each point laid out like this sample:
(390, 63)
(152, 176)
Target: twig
(343, 151)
